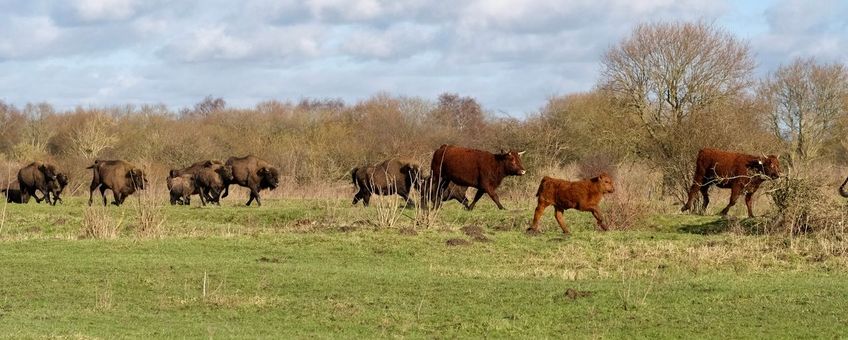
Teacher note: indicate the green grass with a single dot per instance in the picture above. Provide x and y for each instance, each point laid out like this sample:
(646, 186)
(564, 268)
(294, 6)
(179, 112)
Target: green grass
(299, 268)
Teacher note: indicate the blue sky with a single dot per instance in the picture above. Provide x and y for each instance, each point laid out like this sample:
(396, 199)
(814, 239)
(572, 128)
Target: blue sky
(510, 55)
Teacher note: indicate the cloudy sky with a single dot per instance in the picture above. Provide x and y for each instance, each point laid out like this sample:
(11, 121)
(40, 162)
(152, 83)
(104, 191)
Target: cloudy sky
(509, 54)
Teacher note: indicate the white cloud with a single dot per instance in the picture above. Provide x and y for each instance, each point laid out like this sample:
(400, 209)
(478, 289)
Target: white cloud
(96, 10)
(27, 37)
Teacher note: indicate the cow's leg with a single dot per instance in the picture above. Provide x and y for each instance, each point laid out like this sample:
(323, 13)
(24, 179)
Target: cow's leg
(477, 197)
(537, 215)
(599, 218)
(749, 197)
(561, 221)
(705, 193)
(462, 200)
(495, 198)
(735, 190)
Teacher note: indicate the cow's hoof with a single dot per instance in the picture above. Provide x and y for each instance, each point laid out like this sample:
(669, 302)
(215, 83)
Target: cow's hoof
(532, 232)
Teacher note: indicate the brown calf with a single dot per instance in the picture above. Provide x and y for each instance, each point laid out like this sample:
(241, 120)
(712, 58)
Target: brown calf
(582, 195)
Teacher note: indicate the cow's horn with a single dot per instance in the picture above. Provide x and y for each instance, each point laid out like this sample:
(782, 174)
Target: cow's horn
(521, 152)
(760, 162)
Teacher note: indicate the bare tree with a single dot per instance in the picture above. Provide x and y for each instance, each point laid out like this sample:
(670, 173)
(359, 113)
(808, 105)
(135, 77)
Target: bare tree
(805, 100)
(666, 72)
(93, 137)
(669, 76)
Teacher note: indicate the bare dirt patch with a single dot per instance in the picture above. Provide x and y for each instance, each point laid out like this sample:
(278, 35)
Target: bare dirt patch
(408, 232)
(457, 242)
(572, 294)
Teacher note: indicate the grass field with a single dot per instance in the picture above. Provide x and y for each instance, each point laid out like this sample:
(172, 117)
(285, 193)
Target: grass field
(302, 268)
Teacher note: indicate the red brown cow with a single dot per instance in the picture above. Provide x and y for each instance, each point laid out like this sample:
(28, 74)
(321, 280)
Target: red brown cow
(582, 195)
(473, 168)
(730, 170)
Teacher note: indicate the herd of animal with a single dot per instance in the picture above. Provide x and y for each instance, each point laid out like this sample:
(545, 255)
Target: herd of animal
(453, 169)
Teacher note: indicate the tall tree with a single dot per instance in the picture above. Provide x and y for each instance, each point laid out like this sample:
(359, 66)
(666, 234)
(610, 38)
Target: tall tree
(806, 100)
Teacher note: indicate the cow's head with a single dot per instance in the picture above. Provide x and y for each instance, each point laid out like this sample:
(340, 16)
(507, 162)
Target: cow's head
(49, 171)
(769, 166)
(604, 182)
(269, 177)
(137, 178)
(512, 162)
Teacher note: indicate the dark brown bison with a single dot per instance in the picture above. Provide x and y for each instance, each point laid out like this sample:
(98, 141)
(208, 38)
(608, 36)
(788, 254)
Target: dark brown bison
(254, 174)
(583, 195)
(453, 192)
(43, 177)
(473, 168)
(212, 177)
(13, 193)
(736, 171)
(182, 187)
(393, 176)
(842, 191)
(119, 176)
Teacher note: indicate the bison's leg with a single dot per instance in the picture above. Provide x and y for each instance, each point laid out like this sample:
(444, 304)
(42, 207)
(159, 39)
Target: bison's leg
(91, 189)
(118, 200)
(749, 197)
(735, 190)
(226, 191)
(366, 200)
(254, 195)
(202, 200)
(477, 197)
(409, 203)
(561, 221)
(173, 199)
(103, 194)
(597, 213)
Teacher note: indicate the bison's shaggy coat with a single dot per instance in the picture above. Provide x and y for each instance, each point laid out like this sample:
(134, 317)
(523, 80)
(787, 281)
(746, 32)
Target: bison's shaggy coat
(119, 176)
(392, 176)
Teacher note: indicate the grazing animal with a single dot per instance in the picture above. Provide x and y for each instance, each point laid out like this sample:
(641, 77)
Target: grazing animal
(583, 195)
(474, 168)
(43, 177)
(182, 187)
(453, 192)
(13, 193)
(393, 176)
(738, 172)
(119, 176)
(212, 177)
(254, 174)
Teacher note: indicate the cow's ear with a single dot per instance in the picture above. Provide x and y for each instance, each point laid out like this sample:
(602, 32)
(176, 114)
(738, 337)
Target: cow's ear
(172, 173)
(42, 167)
(596, 179)
(207, 163)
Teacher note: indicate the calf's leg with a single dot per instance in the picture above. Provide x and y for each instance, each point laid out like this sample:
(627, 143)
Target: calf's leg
(561, 221)
(537, 215)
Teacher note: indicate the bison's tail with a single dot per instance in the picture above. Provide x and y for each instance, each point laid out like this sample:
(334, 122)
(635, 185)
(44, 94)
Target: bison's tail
(842, 191)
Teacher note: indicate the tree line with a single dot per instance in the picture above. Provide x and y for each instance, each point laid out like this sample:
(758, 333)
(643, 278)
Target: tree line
(665, 91)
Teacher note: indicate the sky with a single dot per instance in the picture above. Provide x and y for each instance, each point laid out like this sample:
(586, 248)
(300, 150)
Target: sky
(510, 55)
